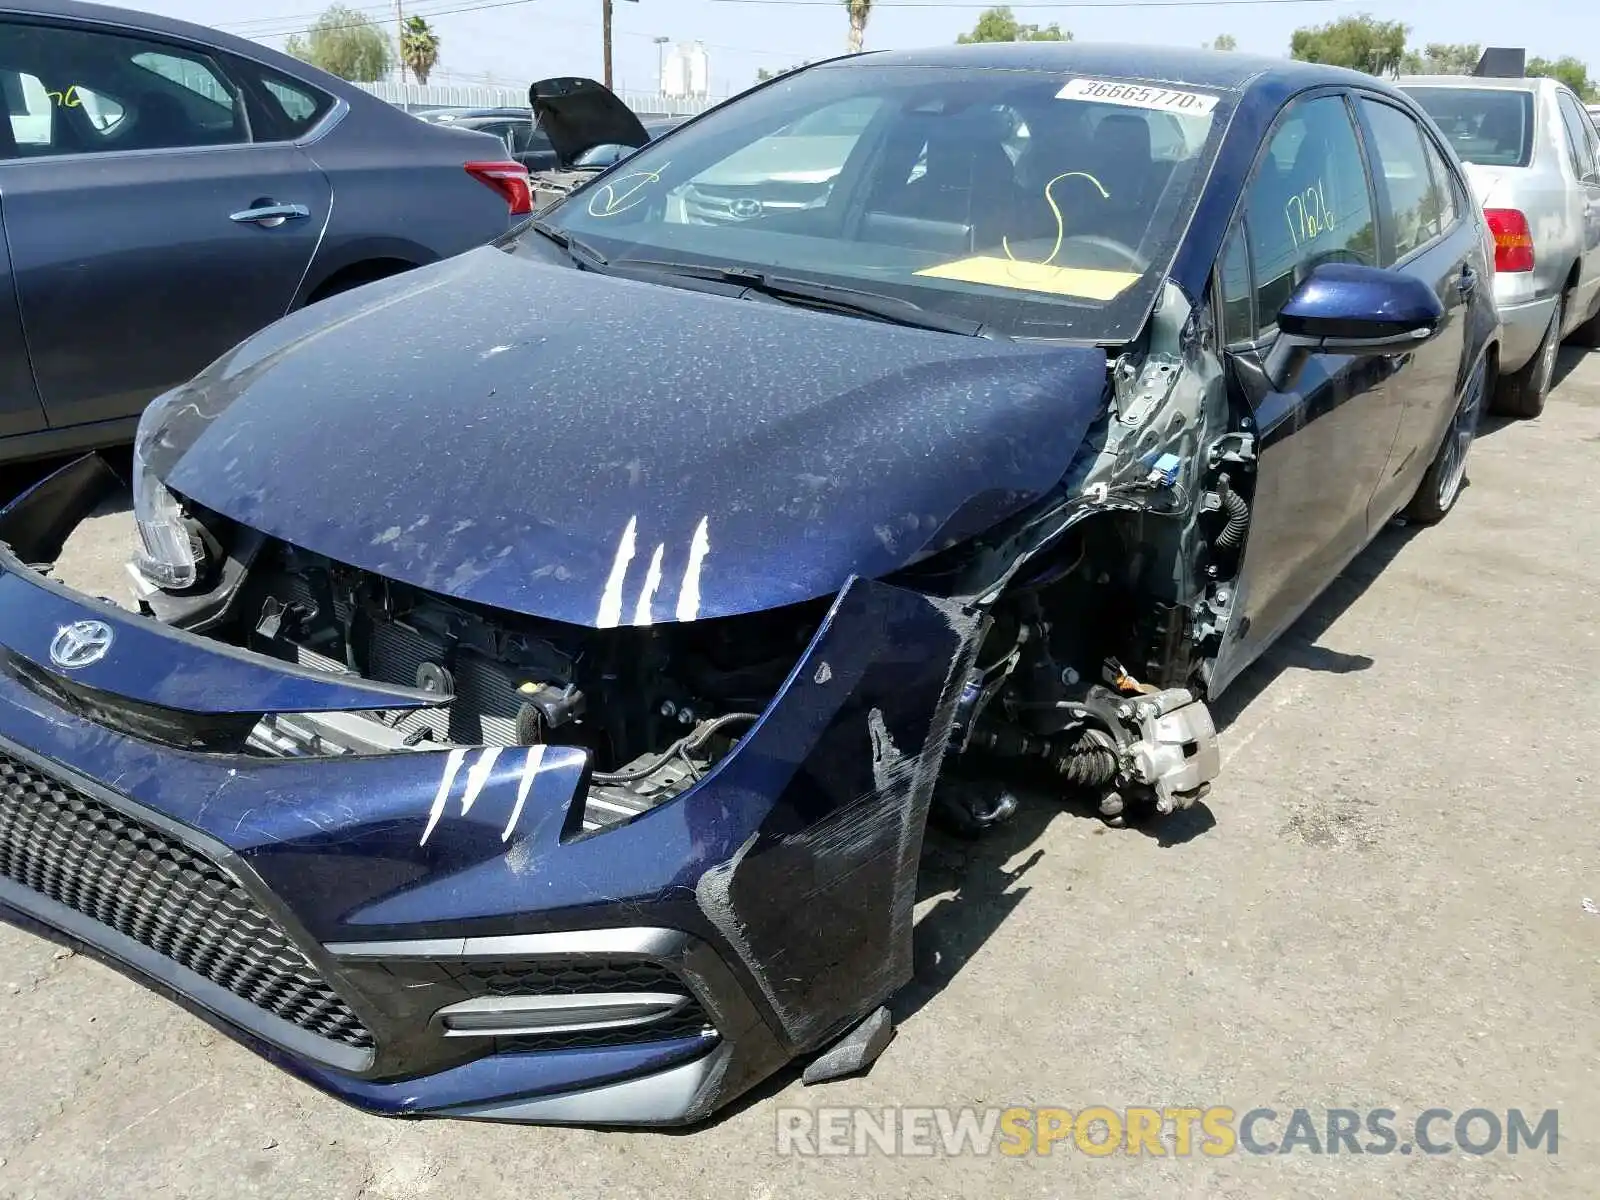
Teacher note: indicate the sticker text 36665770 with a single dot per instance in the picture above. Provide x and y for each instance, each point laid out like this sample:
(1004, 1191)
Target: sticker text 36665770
(1138, 95)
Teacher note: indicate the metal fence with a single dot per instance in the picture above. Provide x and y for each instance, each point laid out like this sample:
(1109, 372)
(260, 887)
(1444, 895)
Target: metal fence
(414, 96)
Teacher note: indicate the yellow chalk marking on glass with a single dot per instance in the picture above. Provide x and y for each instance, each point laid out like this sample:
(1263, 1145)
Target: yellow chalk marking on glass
(1061, 225)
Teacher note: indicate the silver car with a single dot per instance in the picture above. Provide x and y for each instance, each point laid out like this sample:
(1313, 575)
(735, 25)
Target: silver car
(1533, 156)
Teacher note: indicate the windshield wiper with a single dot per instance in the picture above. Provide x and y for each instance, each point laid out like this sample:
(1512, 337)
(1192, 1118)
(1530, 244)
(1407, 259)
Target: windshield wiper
(581, 253)
(811, 294)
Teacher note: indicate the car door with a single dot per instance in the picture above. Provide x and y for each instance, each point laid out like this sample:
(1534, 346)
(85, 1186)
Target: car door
(1584, 147)
(1324, 442)
(149, 230)
(20, 411)
(1420, 234)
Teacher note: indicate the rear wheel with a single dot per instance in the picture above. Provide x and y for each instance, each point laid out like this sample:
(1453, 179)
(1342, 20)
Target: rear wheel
(1441, 485)
(1523, 393)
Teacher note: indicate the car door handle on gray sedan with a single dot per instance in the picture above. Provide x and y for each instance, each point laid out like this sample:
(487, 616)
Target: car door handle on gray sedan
(270, 215)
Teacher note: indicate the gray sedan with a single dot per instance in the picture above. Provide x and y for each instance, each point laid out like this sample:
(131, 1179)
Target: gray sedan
(167, 190)
(1533, 157)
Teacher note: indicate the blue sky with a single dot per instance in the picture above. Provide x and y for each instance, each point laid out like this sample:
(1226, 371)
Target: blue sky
(521, 41)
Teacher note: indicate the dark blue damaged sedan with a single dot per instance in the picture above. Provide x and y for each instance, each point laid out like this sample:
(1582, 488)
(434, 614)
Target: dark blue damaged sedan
(546, 662)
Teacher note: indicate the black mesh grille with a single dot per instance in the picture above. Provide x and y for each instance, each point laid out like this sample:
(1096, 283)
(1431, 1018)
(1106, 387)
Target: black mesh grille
(147, 886)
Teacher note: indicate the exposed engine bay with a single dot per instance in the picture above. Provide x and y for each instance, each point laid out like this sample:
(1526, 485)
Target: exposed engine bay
(1104, 606)
(655, 707)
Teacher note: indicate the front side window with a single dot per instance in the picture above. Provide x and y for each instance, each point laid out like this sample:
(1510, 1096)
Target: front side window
(1309, 202)
(1042, 204)
(1492, 127)
(77, 91)
(1400, 164)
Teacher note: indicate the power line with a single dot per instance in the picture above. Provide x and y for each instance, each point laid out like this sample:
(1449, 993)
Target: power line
(438, 12)
(1060, 4)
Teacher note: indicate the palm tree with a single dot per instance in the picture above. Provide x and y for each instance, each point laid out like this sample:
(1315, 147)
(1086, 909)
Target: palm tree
(419, 48)
(859, 10)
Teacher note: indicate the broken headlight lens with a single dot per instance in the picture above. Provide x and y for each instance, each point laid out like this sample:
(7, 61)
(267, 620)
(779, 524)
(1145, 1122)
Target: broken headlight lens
(166, 554)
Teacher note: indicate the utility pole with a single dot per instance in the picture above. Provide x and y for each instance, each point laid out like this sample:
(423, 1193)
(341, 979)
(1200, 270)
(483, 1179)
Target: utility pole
(661, 65)
(400, 41)
(605, 35)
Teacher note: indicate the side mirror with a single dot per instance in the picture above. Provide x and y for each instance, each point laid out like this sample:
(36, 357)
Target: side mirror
(1346, 308)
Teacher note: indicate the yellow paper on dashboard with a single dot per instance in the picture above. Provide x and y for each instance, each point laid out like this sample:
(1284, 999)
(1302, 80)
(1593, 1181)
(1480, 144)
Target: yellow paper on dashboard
(1082, 282)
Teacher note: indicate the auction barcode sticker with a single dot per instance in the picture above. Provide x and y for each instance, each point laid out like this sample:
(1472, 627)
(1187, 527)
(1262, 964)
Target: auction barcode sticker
(1138, 95)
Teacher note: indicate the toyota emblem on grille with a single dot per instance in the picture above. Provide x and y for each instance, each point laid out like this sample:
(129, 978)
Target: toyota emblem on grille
(81, 644)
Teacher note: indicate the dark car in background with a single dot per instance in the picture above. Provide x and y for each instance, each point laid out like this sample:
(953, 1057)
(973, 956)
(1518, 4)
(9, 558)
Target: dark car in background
(532, 731)
(167, 190)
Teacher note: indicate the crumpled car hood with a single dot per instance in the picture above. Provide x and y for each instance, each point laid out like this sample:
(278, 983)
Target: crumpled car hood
(604, 451)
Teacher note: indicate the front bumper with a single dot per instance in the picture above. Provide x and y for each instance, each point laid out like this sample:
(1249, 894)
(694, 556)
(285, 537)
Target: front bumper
(325, 911)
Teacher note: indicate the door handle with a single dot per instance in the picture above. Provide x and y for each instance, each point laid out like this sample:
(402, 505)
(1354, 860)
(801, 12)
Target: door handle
(269, 215)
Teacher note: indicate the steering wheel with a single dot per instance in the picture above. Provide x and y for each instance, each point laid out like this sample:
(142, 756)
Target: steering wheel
(1100, 241)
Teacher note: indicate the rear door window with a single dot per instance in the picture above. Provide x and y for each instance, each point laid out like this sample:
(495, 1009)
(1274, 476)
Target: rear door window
(284, 108)
(1579, 136)
(1401, 167)
(1448, 187)
(1492, 127)
(80, 91)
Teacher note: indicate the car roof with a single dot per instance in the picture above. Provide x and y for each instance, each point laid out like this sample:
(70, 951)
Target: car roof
(1223, 69)
(1494, 82)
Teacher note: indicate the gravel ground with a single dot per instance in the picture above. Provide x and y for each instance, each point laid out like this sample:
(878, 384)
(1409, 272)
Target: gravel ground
(1382, 905)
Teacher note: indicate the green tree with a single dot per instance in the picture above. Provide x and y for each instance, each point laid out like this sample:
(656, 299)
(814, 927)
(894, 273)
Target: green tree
(419, 48)
(762, 74)
(345, 43)
(1224, 41)
(1362, 42)
(859, 11)
(1571, 71)
(1001, 25)
(1442, 58)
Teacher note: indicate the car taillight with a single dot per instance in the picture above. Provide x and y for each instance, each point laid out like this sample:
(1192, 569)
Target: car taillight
(510, 179)
(1513, 240)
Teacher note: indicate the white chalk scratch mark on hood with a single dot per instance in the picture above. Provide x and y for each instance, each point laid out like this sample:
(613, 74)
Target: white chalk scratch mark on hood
(452, 764)
(689, 592)
(478, 776)
(611, 599)
(652, 581)
(530, 771)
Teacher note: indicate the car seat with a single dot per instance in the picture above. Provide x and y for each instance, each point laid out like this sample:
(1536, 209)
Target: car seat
(159, 121)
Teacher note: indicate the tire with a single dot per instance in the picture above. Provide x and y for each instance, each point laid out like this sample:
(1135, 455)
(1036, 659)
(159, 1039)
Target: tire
(1441, 484)
(1523, 394)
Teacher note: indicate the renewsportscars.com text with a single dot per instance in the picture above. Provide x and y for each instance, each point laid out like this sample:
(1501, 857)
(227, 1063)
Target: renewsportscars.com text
(1165, 1132)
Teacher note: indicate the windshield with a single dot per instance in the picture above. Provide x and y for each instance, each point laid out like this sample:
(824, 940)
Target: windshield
(1492, 127)
(1043, 205)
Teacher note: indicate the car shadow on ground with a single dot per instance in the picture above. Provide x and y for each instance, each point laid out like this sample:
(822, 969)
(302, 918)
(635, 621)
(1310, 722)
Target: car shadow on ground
(1566, 363)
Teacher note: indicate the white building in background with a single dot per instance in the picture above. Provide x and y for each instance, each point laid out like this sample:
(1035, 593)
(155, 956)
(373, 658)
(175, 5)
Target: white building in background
(686, 70)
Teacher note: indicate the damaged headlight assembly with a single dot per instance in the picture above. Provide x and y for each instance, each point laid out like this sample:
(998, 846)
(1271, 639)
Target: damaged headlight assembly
(169, 552)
